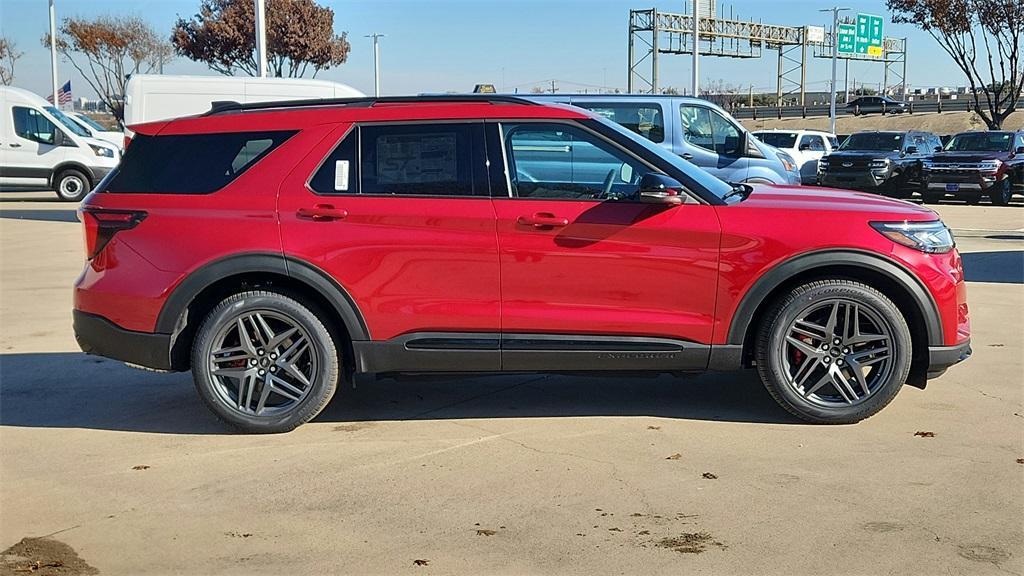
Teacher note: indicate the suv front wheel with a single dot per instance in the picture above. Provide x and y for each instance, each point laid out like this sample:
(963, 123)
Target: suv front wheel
(263, 362)
(834, 351)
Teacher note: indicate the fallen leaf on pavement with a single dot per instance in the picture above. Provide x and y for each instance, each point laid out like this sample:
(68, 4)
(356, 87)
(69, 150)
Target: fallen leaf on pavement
(709, 476)
(485, 532)
(924, 434)
(421, 562)
(675, 456)
(140, 467)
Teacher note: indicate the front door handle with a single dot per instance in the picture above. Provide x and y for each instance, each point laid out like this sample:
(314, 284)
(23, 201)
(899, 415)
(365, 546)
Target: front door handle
(686, 156)
(543, 220)
(321, 213)
(14, 145)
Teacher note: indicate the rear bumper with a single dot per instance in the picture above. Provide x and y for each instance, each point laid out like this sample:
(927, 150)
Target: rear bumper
(98, 336)
(942, 357)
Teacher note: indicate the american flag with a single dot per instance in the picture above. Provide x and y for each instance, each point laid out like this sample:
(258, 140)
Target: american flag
(63, 95)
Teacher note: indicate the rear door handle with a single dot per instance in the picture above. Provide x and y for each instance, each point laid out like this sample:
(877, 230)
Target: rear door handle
(543, 220)
(321, 213)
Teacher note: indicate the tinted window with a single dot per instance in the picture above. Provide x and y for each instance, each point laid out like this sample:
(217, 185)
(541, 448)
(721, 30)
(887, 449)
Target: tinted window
(710, 130)
(643, 119)
(981, 142)
(562, 161)
(777, 139)
(30, 124)
(190, 164)
(424, 159)
(875, 141)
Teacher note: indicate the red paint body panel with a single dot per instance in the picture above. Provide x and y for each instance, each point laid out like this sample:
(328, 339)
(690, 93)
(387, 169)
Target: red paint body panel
(616, 268)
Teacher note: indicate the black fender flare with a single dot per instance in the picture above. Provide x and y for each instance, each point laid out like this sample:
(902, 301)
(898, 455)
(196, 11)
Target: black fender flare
(172, 316)
(773, 278)
(75, 165)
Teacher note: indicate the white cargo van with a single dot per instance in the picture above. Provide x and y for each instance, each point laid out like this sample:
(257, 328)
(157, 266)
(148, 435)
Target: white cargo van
(153, 97)
(40, 147)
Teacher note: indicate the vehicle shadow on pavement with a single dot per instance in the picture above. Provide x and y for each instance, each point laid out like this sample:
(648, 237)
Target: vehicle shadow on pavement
(73, 390)
(1005, 267)
(40, 215)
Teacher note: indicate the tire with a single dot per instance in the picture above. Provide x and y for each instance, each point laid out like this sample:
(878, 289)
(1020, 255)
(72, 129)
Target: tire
(932, 197)
(285, 382)
(71, 185)
(821, 385)
(1001, 193)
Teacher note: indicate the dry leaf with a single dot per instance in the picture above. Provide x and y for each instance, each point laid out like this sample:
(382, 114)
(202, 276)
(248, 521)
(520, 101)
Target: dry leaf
(923, 434)
(485, 532)
(709, 476)
(675, 456)
(421, 562)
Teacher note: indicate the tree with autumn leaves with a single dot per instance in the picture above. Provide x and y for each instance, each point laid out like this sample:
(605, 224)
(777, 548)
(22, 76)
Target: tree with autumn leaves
(300, 37)
(986, 40)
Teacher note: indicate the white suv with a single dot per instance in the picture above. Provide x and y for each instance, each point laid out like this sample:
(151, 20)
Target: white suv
(805, 146)
(40, 148)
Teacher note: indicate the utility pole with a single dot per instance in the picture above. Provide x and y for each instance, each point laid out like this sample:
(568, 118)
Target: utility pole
(261, 38)
(554, 87)
(696, 47)
(53, 52)
(835, 52)
(846, 82)
(376, 62)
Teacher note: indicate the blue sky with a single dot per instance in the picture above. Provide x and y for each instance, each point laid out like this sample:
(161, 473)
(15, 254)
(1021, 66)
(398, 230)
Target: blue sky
(440, 45)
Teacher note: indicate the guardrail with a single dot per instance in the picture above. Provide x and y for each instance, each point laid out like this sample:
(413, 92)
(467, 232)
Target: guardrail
(924, 106)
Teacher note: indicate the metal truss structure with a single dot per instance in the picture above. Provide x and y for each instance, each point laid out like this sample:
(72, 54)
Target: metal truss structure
(653, 33)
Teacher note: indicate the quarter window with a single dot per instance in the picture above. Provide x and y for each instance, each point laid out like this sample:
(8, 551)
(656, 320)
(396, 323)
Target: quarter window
(30, 124)
(708, 129)
(566, 162)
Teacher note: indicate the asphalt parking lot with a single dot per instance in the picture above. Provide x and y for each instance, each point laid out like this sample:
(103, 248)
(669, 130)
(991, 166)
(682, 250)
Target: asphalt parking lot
(508, 474)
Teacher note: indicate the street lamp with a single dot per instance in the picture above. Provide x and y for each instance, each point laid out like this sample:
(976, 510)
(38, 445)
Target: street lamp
(835, 50)
(376, 62)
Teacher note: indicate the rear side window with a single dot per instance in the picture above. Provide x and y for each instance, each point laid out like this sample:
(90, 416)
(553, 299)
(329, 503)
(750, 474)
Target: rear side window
(192, 163)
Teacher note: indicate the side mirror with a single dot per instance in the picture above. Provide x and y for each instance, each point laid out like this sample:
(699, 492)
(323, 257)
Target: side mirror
(1020, 150)
(805, 147)
(660, 189)
(938, 148)
(911, 149)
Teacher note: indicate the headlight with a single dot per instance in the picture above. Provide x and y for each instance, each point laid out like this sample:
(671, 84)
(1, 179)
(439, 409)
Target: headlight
(879, 164)
(102, 151)
(931, 237)
(787, 162)
(926, 164)
(989, 165)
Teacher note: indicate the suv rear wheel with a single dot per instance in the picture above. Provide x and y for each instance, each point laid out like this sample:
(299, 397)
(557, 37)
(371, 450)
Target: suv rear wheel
(834, 351)
(264, 362)
(71, 185)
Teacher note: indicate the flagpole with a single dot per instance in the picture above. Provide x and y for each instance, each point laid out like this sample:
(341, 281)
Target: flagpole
(53, 52)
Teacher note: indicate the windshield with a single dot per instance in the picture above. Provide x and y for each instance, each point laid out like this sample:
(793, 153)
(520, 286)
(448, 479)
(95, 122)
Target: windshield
(67, 122)
(89, 122)
(980, 142)
(777, 139)
(876, 141)
(700, 177)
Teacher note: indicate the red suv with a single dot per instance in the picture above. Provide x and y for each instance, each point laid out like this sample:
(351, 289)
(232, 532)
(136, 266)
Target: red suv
(279, 249)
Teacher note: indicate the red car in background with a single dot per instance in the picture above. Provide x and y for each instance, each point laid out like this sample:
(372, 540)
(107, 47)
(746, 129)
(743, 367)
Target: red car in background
(277, 249)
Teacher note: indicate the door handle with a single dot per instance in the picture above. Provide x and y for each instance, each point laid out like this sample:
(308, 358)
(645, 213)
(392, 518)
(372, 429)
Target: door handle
(321, 213)
(14, 145)
(543, 220)
(686, 156)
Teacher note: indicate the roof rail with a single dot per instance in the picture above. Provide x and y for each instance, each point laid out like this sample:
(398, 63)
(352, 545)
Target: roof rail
(219, 107)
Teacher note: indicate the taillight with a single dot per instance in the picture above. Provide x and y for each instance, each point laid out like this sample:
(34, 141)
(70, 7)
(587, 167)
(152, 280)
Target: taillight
(101, 225)
(127, 141)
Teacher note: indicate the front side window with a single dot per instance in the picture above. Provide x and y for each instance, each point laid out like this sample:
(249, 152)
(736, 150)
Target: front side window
(30, 124)
(812, 143)
(192, 163)
(710, 130)
(643, 119)
(566, 162)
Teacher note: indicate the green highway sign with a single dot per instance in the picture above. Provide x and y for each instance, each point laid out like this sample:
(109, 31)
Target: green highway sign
(869, 35)
(847, 39)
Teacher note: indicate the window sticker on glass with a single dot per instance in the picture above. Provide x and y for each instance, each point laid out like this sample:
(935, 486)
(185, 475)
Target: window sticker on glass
(415, 159)
(341, 176)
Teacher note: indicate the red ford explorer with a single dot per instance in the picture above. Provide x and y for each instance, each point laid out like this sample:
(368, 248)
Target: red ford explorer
(278, 249)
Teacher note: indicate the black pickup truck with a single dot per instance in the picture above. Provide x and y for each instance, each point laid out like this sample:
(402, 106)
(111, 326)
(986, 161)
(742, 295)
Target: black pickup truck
(976, 164)
(887, 162)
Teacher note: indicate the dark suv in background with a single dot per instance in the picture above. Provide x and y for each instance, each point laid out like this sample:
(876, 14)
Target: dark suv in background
(885, 162)
(976, 164)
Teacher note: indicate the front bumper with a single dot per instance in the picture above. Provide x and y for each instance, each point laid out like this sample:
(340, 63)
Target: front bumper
(854, 180)
(942, 357)
(98, 336)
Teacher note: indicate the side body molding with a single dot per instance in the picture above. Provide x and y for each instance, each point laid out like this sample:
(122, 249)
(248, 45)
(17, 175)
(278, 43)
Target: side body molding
(852, 258)
(172, 316)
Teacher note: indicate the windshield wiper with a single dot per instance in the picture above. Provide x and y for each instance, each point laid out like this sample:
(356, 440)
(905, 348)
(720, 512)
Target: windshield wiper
(739, 190)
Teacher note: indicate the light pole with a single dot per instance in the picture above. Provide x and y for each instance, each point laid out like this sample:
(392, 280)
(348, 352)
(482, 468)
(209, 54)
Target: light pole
(696, 48)
(835, 50)
(376, 62)
(261, 38)
(53, 52)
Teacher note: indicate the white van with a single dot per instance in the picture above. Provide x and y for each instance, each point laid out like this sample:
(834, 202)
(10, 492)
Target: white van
(40, 147)
(97, 131)
(153, 97)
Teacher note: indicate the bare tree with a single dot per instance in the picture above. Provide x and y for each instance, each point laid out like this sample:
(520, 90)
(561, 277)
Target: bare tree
(984, 38)
(300, 37)
(105, 51)
(8, 56)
